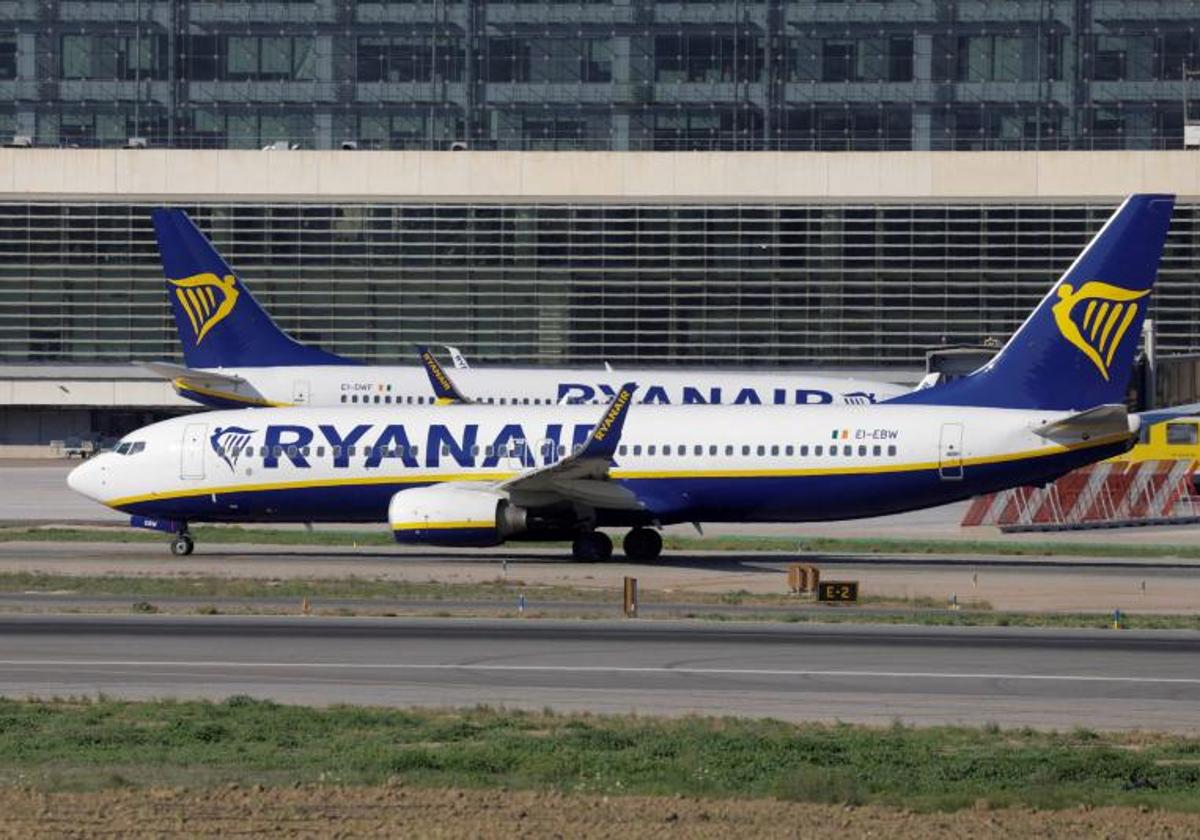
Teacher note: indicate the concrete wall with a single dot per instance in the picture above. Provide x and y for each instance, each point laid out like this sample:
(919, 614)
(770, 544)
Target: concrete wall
(235, 175)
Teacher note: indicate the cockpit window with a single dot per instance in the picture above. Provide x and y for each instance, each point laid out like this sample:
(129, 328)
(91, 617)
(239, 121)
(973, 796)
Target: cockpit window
(130, 447)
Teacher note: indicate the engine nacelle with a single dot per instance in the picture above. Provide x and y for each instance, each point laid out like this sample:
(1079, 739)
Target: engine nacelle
(453, 516)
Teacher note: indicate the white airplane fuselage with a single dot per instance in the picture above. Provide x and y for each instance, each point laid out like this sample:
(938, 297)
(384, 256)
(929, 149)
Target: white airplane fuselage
(674, 464)
(337, 385)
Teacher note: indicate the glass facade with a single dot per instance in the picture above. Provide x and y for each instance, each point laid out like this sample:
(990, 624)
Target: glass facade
(631, 75)
(835, 285)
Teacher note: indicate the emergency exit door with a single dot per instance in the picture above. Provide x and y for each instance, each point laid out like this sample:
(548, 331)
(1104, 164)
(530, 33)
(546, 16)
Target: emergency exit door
(950, 461)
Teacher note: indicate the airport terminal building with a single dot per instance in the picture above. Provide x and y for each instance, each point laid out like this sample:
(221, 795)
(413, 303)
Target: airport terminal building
(811, 185)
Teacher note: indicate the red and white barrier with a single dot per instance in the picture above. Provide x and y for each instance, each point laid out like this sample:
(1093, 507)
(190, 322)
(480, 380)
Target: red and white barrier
(1097, 496)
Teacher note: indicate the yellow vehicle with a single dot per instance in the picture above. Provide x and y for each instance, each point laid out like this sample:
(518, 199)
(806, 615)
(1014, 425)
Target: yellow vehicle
(1173, 440)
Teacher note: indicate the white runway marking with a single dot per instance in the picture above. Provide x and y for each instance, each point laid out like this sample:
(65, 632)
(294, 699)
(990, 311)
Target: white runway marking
(593, 669)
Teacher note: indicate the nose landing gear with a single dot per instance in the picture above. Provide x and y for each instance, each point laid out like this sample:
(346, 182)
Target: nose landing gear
(182, 544)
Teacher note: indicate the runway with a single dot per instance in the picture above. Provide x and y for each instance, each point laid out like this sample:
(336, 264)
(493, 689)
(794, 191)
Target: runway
(1058, 679)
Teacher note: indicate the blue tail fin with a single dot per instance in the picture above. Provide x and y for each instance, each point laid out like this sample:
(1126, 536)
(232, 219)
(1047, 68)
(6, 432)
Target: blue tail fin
(1076, 350)
(220, 323)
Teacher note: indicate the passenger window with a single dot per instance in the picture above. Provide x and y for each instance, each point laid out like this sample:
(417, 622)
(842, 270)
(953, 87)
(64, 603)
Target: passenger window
(745, 449)
(667, 449)
(351, 450)
(637, 449)
(399, 451)
(621, 449)
(762, 450)
(877, 450)
(862, 450)
(475, 450)
(337, 452)
(354, 398)
(415, 451)
(697, 450)
(891, 450)
(775, 450)
(488, 452)
(1181, 434)
(388, 399)
(320, 451)
(562, 450)
(728, 451)
(789, 450)
(819, 450)
(847, 450)
(833, 451)
(445, 450)
(712, 449)
(376, 399)
(278, 451)
(304, 451)
(650, 449)
(343, 397)
(804, 450)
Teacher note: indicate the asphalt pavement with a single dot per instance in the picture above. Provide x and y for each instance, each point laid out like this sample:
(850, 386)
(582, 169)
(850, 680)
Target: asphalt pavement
(1012, 677)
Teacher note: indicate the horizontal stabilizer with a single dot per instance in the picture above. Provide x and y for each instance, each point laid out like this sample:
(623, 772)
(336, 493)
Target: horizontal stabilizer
(203, 378)
(1160, 415)
(1101, 421)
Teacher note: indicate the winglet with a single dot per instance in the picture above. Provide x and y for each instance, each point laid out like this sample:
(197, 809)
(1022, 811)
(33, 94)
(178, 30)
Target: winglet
(456, 356)
(602, 442)
(444, 390)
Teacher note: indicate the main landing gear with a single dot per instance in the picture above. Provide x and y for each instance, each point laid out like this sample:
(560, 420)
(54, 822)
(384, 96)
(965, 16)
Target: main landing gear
(642, 544)
(592, 547)
(182, 544)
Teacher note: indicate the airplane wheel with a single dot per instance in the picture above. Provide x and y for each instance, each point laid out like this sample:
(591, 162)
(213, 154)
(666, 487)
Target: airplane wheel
(642, 544)
(592, 547)
(182, 545)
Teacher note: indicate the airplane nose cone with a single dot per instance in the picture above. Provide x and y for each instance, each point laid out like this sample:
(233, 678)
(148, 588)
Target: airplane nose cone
(88, 478)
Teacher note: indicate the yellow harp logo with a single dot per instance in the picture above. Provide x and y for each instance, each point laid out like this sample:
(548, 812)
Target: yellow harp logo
(1106, 315)
(206, 299)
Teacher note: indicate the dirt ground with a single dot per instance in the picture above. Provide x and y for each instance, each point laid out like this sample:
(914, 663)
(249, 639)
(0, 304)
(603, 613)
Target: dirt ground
(397, 811)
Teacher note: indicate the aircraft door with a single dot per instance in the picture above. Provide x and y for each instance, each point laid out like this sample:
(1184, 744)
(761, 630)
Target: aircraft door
(300, 392)
(191, 463)
(950, 458)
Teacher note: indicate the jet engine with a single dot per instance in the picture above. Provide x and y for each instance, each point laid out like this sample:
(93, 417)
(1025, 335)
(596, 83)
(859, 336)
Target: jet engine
(454, 516)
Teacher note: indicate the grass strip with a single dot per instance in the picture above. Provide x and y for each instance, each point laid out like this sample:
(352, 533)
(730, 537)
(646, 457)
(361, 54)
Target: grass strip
(101, 743)
(792, 545)
(496, 589)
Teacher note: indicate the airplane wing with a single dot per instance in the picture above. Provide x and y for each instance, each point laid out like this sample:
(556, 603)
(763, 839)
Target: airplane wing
(203, 378)
(583, 475)
(445, 392)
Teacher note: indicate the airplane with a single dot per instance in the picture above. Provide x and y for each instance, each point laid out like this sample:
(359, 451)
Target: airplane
(477, 474)
(235, 356)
